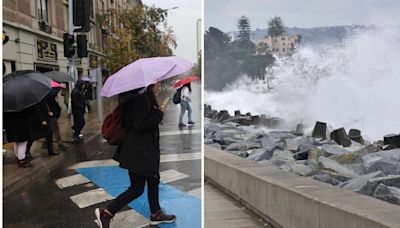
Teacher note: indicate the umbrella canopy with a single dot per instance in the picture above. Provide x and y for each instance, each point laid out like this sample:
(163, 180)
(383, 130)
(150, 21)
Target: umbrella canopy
(144, 72)
(59, 76)
(54, 84)
(186, 80)
(87, 79)
(22, 89)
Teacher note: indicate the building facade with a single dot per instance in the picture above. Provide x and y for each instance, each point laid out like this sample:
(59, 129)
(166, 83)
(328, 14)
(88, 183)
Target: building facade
(36, 28)
(279, 45)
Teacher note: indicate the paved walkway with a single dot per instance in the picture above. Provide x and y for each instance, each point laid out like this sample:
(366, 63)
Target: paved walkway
(220, 211)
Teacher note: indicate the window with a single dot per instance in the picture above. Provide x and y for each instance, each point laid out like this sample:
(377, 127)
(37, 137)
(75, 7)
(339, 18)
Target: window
(284, 50)
(283, 38)
(283, 44)
(43, 11)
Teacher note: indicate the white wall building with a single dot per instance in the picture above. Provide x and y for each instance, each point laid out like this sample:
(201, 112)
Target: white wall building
(279, 45)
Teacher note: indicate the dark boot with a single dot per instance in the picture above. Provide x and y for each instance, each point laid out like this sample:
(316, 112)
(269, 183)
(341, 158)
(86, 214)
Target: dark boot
(24, 163)
(28, 155)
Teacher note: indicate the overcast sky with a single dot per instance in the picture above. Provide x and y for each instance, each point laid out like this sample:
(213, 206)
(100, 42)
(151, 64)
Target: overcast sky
(183, 21)
(224, 14)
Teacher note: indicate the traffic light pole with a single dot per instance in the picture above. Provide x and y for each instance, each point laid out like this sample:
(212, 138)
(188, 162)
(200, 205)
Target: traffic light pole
(73, 72)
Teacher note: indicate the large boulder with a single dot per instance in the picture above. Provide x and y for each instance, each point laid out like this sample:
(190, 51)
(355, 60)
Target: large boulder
(331, 165)
(301, 169)
(315, 153)
(388, 194)
(386, 161)
(291, 144)
(326, 178)
(391, 180)
(244, 145)
(360, 183)
(261, 154)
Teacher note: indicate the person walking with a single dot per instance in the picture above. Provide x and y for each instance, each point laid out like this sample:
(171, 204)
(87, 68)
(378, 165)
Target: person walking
(78, 105)
(186, 91)
(23, 126)
(139, 153)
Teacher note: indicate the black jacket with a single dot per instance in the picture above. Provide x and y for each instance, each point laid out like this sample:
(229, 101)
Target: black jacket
(53, 105)
(78, 101)
(27, 124)
(140, 151)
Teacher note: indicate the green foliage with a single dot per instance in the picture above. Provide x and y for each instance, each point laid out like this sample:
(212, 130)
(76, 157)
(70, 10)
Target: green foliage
(135, 33)
(276, 27)
(225, 60)
(244, 28)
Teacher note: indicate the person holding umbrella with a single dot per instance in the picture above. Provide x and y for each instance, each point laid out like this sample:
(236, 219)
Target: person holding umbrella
(78, 105)
(186, 91)
(139, 152)
(23, 117)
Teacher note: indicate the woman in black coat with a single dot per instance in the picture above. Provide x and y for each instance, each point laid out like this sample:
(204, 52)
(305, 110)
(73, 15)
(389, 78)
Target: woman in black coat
(21, 127)
(139, 153)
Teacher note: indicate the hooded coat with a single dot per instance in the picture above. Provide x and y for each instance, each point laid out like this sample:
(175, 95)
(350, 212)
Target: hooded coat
(78, 101)
(140, 151)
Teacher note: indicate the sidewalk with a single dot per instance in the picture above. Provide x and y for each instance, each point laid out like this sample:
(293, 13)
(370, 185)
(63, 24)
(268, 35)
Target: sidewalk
(220, 210)
(15, 178)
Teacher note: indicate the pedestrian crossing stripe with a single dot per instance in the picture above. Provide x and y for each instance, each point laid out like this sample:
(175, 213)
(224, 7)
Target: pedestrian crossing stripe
(115, 180)
(171, 175)
(70, 181)
(91, 197)
(181, 132)
(163, 158)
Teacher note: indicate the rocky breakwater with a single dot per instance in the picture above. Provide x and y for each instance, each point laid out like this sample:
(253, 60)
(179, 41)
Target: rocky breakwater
(336, 157)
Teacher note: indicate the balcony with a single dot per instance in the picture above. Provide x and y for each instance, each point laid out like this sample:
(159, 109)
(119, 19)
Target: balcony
(44, 26)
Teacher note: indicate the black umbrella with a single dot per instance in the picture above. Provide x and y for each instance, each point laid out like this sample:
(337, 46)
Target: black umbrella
(59, 76)
(22, 89)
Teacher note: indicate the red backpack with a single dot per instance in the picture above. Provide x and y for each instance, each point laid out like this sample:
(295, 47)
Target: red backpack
(112, 129)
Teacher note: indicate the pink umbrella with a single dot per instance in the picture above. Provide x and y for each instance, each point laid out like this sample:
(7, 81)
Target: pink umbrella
(54, 84)
(186, 80)
(144, 72)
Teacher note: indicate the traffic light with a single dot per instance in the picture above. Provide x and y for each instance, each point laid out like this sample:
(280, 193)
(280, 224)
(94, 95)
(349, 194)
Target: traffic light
(81, 11)
(5, 38)
(69, 50)
(81, 42)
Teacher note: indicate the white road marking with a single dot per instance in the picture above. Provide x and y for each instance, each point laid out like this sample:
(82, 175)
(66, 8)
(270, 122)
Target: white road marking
(91, 197)
(182, 132)
(96, 163)
(164, 158)
(129, 219)
(180, 157)
(196, 192)
(171, 175)
(71, 181)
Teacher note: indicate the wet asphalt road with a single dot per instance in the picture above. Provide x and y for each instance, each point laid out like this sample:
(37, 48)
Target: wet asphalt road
(44, 204)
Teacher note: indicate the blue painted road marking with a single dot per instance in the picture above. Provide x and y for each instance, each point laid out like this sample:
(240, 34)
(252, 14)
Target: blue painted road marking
(115, 180)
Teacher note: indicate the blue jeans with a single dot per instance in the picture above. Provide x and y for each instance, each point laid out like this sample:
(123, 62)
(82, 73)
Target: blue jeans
(185, 106)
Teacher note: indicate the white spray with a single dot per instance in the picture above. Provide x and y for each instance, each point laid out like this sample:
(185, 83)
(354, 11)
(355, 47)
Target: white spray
(354, 85)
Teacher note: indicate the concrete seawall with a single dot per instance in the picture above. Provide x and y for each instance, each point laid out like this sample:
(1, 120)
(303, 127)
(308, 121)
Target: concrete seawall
(291, 201)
